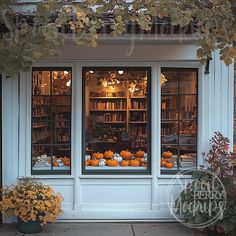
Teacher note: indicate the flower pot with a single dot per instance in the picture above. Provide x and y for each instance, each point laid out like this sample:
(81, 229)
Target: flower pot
(30, 227)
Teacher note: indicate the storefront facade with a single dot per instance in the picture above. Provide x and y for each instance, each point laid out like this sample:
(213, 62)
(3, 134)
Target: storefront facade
(146, 96)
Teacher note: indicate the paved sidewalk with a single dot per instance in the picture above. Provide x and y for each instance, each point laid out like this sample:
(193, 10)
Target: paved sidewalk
(108, 229)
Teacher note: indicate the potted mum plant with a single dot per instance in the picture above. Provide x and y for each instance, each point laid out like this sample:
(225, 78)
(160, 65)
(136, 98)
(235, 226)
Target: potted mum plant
(32, 202)
(218, 164)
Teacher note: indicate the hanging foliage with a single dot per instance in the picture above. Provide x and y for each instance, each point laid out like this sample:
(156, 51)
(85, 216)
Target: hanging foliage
(26, 41)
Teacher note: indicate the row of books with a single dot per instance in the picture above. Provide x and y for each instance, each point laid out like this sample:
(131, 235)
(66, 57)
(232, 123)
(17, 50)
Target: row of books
(138, 105)
(97, 105)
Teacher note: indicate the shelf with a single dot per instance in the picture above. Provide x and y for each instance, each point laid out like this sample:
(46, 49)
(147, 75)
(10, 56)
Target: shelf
(138, 122)
(138, 97)
(178, 94)
(108, 110)
(115, 168)
(39, 126)
(48, 144)
(39, 116)
(111, 122)
(112, 98)
(138, 109)
(52, 95)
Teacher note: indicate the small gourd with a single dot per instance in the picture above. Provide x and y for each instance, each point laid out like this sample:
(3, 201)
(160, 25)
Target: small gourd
(108, 154)
(167, 154)
(98, 155)
(169, 165)
(134, 163)
(126, 154)
(102, 163)
(124, 163)
(94, 162)
(118, 157)
(112, 163)
(140, 153)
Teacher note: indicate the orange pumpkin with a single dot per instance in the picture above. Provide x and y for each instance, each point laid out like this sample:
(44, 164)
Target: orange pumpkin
(112, 163)
(67, 163)
(108, 154)
(126, 154)
(143, 164)
(94, 162)
(124, 163)
(140, 159)
(65, 159)
(169, 165)
(140, 153)
(55, 163)
(87, 162)
(98, 155)
(163, 163)
(167, 154)
(134, 163)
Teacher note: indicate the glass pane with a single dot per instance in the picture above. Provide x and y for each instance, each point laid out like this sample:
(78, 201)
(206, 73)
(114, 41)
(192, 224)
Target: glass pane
(116, 119)
(51, 121)
(178, 120)
(61, 82)
(41, 83)
(188, 82)
(169, 82)
(41, 132)
(188, 107)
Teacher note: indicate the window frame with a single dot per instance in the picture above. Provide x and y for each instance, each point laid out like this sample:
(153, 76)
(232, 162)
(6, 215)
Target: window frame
(51, 172)
(111, 172)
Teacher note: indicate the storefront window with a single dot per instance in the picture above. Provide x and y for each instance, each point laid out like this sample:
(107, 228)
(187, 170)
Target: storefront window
(116, 120)
(51, 121)
(179, 114)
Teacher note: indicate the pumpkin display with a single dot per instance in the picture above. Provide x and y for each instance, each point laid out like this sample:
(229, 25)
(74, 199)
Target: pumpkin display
(144, 164)
(108, 154)
(140, 153)
(112, 163)
(126, 154)
(167, 154)
(124, 163)
(87, 162)
(94, 162)
(67, 163)
(134, 163)
(169, 165)
(98, 155)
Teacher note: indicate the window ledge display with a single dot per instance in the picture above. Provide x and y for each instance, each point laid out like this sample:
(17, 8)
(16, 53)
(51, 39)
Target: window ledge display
(116, 119)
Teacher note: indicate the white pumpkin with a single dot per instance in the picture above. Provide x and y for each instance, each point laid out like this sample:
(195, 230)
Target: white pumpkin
(87, 157)
(102, 162)
(118, 158)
